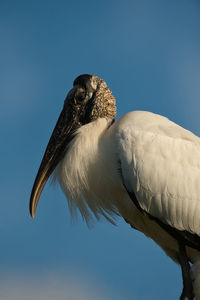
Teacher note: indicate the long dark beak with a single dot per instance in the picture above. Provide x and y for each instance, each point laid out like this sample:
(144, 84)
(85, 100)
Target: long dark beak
(61, 136)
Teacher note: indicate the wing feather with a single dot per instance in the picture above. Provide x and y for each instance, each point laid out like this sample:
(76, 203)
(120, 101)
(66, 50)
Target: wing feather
(160, 163)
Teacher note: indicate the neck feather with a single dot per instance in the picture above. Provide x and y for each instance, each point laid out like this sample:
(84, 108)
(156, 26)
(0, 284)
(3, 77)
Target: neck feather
(77, 172)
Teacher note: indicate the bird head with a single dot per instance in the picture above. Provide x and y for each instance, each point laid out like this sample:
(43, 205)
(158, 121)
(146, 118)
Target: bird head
(88, 100)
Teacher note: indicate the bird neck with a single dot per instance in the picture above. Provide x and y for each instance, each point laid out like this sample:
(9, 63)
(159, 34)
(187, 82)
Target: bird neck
(80, 171)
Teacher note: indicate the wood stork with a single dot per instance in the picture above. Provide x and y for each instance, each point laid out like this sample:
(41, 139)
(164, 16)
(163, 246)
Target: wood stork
(142, 167)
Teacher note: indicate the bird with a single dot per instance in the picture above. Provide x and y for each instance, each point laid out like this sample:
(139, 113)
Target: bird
(141, 167)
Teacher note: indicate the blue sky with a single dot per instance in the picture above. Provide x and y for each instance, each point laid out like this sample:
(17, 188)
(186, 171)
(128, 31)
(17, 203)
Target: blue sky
(148, 52)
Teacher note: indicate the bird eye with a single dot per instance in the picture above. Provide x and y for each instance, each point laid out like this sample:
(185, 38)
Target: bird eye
(80, 97)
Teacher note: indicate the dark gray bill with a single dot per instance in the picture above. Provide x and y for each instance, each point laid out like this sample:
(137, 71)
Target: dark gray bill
(61, 136)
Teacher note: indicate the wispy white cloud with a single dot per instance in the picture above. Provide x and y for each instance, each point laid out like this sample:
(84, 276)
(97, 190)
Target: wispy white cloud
(50, 287)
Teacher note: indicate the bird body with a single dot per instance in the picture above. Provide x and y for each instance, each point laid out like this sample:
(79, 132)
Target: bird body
(142, 167)
(154, 154)
(143, 147)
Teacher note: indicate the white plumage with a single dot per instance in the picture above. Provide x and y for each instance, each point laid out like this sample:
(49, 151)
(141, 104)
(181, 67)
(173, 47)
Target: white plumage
(161, 163)
(154, 153)
(140, 154)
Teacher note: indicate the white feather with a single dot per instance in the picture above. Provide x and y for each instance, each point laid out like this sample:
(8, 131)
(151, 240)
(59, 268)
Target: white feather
(88, 173)
(159, 161)
(161, 164)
